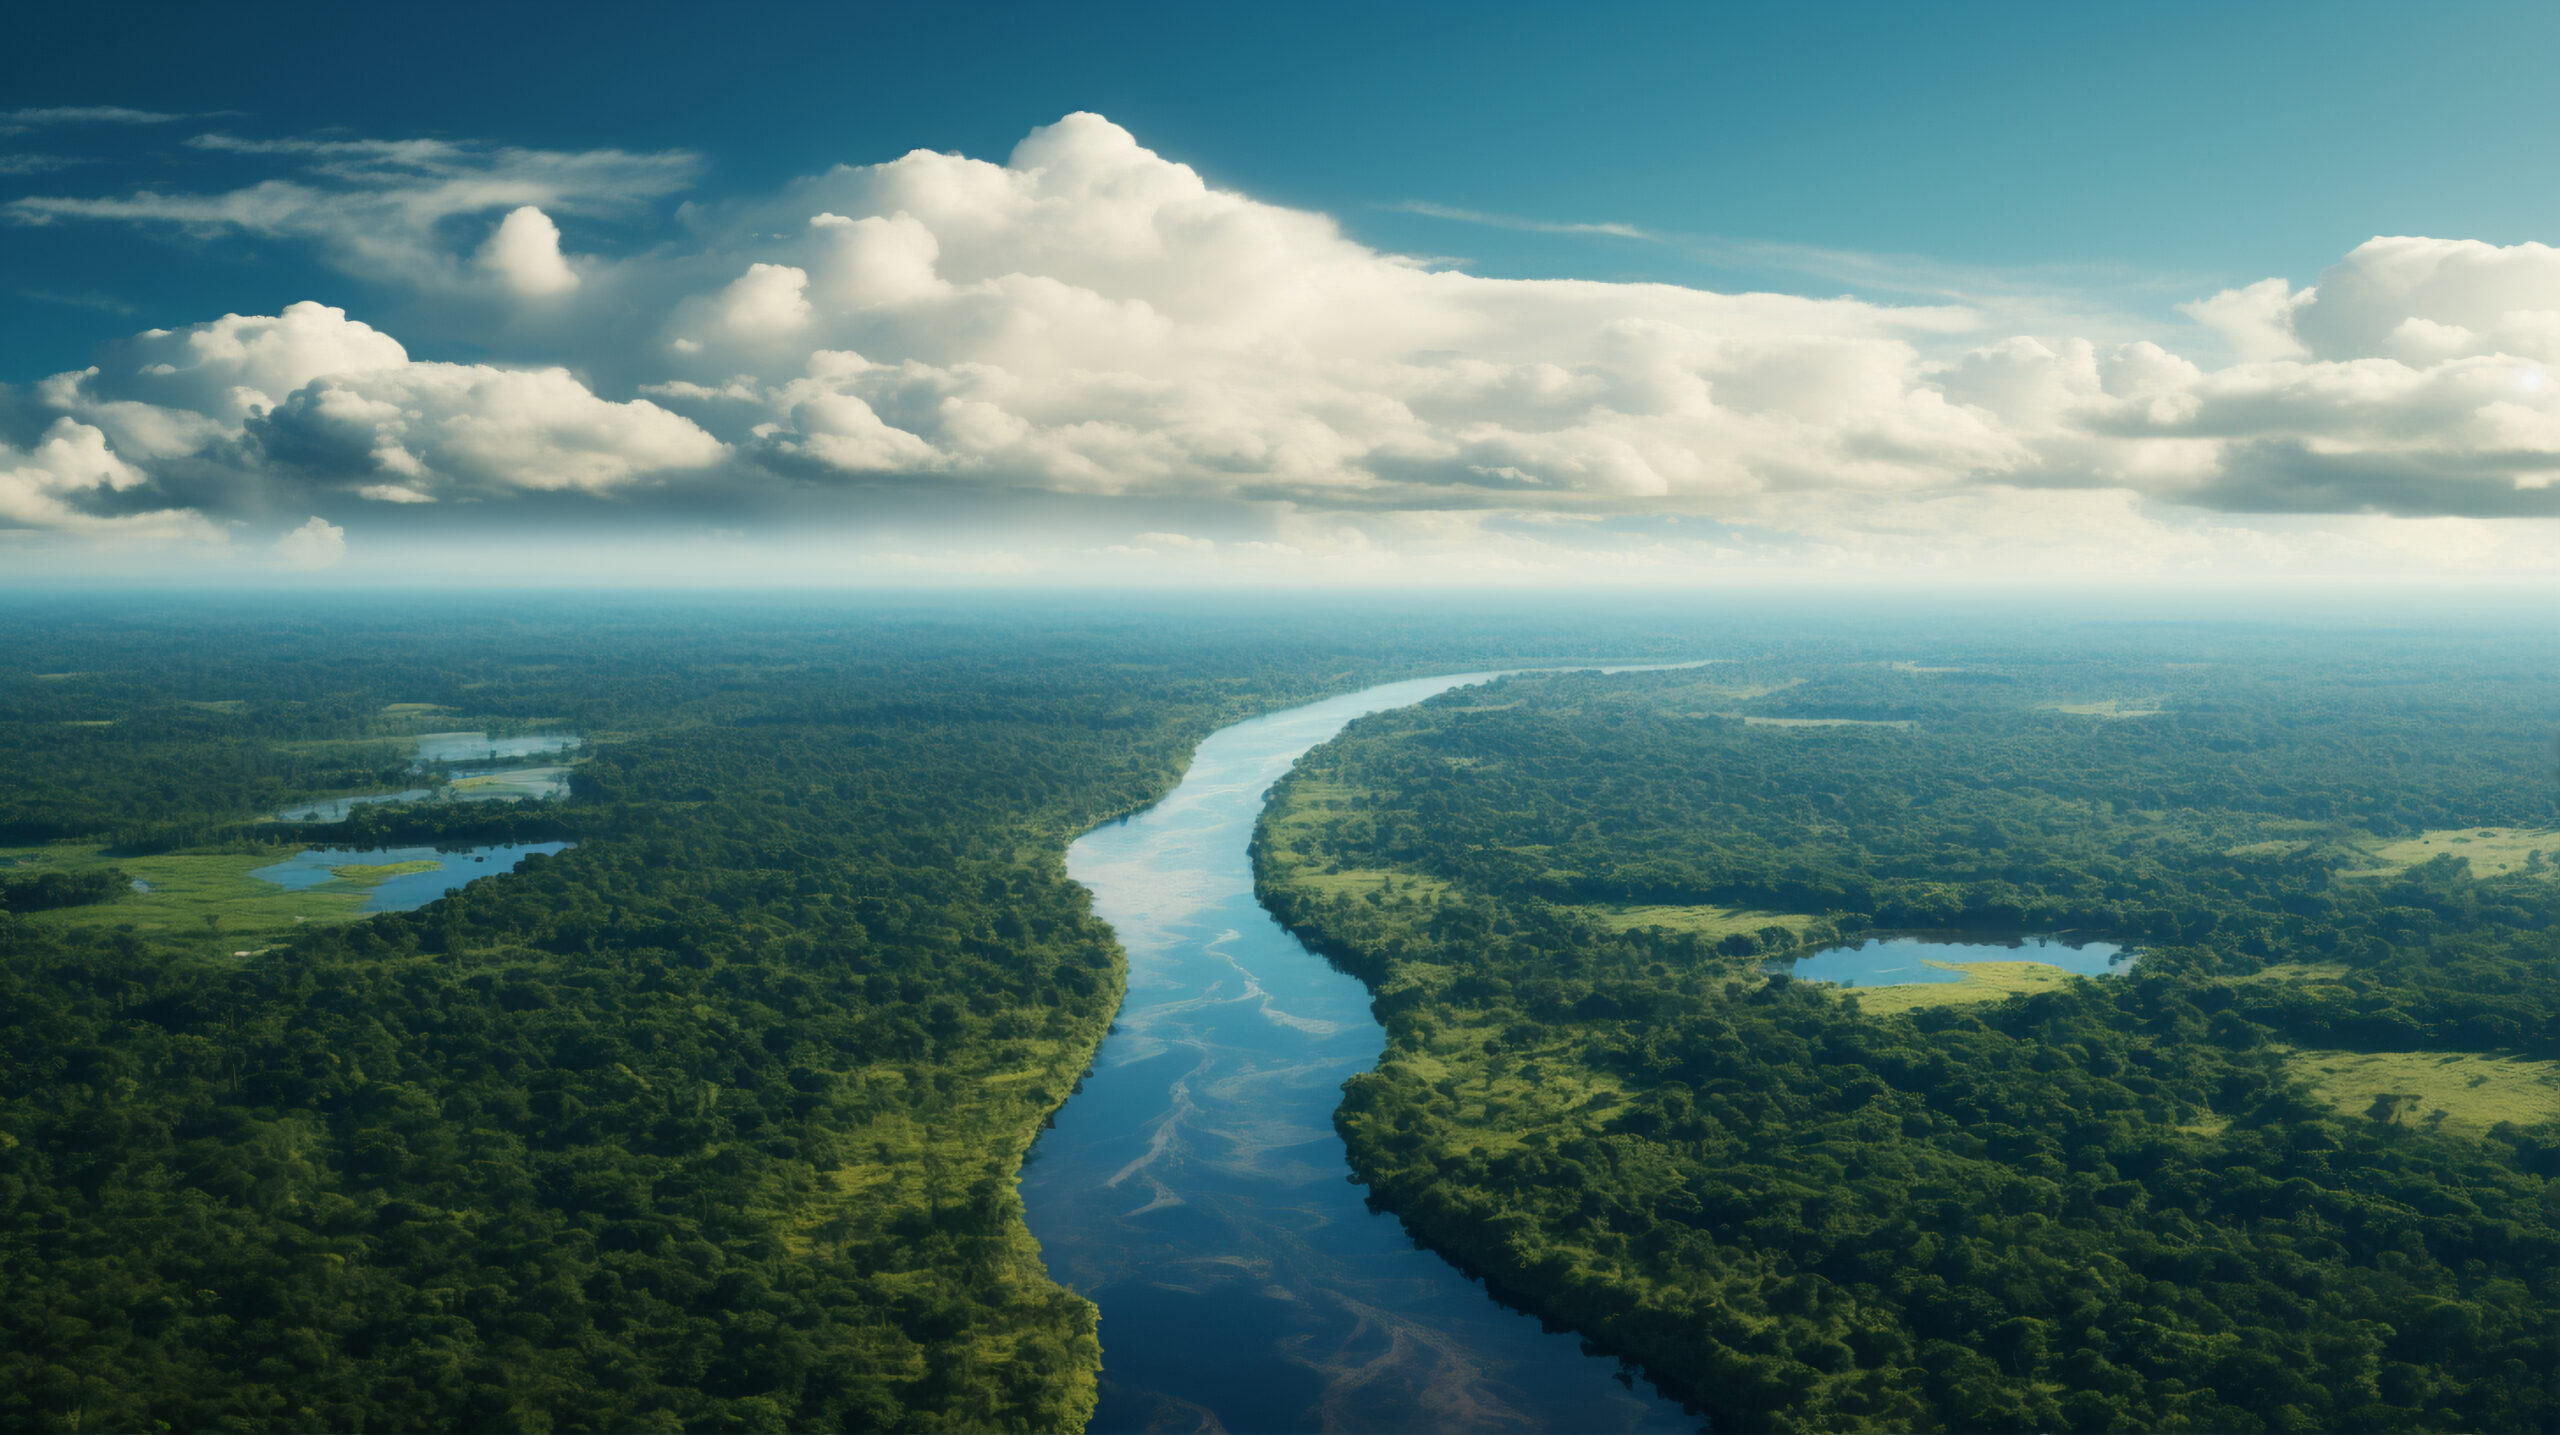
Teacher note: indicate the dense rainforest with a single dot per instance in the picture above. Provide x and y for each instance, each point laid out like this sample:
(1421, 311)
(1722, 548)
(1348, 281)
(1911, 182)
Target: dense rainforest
(2297, 1168)
(709, 1121)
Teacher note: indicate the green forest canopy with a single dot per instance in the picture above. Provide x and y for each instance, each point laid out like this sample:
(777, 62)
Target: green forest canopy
(709, 1122)
(2120, 1204)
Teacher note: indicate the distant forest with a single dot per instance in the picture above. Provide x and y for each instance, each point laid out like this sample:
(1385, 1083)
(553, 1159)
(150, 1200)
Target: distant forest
(2229, 1189)
(710, 1122)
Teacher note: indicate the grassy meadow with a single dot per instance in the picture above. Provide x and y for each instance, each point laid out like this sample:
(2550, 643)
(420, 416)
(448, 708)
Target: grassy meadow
(2470, 1090)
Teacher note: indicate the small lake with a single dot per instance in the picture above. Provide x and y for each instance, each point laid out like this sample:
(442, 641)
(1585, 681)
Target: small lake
(312, 866)
(1903, 960)
(450, 747)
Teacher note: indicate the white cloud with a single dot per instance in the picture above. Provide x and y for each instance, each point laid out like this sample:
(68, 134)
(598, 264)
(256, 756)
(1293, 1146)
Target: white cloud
(766, 302)
(14, 121)
(56, 486)
(318, 543)
(1609, 228)
(1095, 324)
(312, 396)
(523, 254)
(430, 428)
(380, 208)
(2256, 319)
(168, 392)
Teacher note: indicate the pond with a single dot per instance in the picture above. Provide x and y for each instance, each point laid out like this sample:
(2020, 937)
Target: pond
(398, 879)
(450, 747)
(1910, 958)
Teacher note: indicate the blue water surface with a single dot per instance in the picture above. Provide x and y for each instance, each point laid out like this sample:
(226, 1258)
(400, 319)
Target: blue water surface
(310, 868)
(1195, 1188)
(480, 747)
(1903, 960)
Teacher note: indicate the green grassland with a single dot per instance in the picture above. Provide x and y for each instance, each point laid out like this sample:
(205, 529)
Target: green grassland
(1505, 1090)
(1702, 919)
(374, 874)
(1364, 881)
(503, 786)
(187, 888)
(1981, 982)
(2314, 972)
(2471, 1090)
(2492, 851)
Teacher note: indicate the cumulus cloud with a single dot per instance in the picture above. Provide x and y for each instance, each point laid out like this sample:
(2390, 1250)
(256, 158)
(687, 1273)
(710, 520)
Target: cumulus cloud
(1090, 322)
(55, 487)
(313, 399)
(524, 254)
(318, 543)
(424, 429)
(1090, 317)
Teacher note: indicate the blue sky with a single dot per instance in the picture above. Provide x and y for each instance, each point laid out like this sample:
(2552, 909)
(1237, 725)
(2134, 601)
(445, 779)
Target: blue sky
(2071, 173)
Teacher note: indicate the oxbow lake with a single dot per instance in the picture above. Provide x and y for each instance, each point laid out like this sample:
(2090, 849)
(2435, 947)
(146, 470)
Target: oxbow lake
(1904, 960)
(312, 866)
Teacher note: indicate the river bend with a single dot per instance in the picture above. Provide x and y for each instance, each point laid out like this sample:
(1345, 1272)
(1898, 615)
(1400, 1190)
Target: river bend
(1195, 1190)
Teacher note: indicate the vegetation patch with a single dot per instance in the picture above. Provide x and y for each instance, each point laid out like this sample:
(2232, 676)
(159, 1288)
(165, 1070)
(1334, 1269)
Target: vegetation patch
(2431, 1088)
(2491, 851)
(1374, 882)
(1980, 982)
(199, 900)
(374, 874)
(2298, 972)
(1700, 918)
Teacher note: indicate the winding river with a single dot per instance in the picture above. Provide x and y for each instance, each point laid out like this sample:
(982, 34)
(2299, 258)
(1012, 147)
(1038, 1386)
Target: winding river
(1195, 1190)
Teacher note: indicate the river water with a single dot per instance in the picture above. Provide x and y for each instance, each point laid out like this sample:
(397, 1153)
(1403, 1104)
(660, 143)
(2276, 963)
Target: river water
(1195, 1190)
